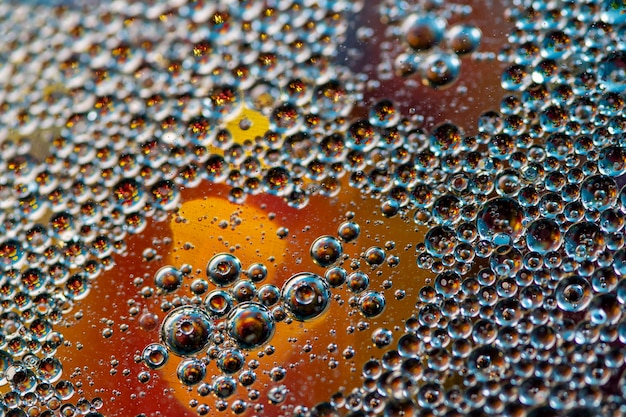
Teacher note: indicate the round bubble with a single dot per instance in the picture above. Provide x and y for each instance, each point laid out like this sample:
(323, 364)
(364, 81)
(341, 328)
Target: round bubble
(584, 241)
(155, 355)
(463, 39)
(573, 294)
(251, 325)
(218, 303)
(223, 269)
(423, 33)
(612, 161)
(336, 276)
(230, 361)
(348, 231)
(371, 304)
(440, 70)
(191, 371)
(440, 241)
(487, 363)
(306, 296)
(186, 330)
(168, 279)
(326, 250)
(543, 235)
(598, 192)
(500, 221)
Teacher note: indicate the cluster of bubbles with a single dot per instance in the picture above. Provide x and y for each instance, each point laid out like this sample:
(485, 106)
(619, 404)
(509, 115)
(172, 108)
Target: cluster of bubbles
(525, 220)
(432, 49)
(243, 313)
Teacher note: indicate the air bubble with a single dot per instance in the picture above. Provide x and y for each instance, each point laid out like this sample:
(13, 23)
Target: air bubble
(186, 330)
(306, 296)
(223, 269)
(251, 325)
(326, 250)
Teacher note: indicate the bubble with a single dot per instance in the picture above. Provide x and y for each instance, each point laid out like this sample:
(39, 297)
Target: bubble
(543, 235)
(230, 361)
(77, 287)
(422, 33)
(223, 269)
(335, 276)
(326, 250)
(224, 386)
(515, 78)
(191, 371)
(556, 45)
(573, 294)
(371, 304)
(463, 39)
(448, 284)
(277, 181)
(225, 103)
(251, 325)
(598, 192)
(383, 114)
(165, 195)
(168, 279)
(440, 70)
(487, 363)
(612, 72)
(285, 119)
(218, 303)
(186, 330)
(154, 356)
(440, 241)
(584, 241)
(306, 296)
(500, 220)
(357, 282)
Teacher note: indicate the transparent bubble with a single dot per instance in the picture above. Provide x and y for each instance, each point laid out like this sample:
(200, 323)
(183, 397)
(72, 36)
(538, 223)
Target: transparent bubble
(500, 220)
(218, 303)
(584, 241)
(223, 269)
(186, 330)
(155, 356)
(230, 361)
(335, 276)
(383, 114)
(423, 33)
(463, 39)
(612, 72)
(168, 279)
(440, 70)
(506, 261)
(487, 363)
(326, 250)
(306, 296)
(573, 294)
(191, 371)
(598, 192)
(251, 325)
(357, 282)
(371, 304)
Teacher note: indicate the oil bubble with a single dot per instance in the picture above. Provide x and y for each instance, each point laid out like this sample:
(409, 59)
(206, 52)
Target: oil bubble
(348, 231)
(598, 192)
(154, 356)
(423, 33)
(251, 325)
(218, 303)
(371, 304)
(186, 330)
(612, 72)
(440, 70)
(584, 241)
(573, 294)
(306, 296)
(463, 39)
(500, 220)
(326, 250)
(223, 269)
(168, 279)
(230, 361)
(191, 371)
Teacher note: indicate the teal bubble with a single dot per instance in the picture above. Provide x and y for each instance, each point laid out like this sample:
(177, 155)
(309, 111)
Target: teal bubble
(306, 296)
(584, 241)
(573, 294)
(500, 220)
(598, 192)
(612, 72)
(230, 361)
(371, 304)
(543, 235)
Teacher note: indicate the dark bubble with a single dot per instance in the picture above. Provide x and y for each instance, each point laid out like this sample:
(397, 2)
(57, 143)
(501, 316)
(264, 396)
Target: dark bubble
(500, 220)
(257, 272)
(268, 295)
(326, 250)
(306, 296)
(357, 282)
(230, 361)
(251, 325)
(584, 241)
(612, 72)
(223, 269)
(463, 39)
(598, 192)
(186, 330)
